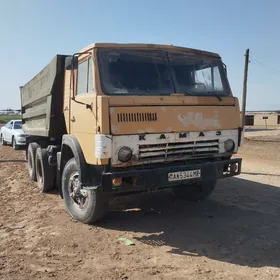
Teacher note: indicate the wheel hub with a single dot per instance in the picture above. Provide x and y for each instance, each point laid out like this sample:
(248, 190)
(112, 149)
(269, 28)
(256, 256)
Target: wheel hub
(78, 195)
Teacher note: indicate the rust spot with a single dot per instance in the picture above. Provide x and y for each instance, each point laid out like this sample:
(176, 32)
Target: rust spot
(197, 119)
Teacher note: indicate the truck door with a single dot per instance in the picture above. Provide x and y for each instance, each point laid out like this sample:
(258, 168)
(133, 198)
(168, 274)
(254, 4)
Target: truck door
(82, 118)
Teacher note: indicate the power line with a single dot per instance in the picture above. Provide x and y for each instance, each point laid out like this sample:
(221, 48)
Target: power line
(265, 66)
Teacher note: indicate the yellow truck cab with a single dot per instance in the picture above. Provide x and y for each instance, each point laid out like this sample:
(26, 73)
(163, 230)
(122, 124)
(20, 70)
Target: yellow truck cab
(124, 118)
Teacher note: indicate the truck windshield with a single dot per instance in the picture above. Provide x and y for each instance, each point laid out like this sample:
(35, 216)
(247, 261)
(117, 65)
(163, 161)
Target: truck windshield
(143, 72)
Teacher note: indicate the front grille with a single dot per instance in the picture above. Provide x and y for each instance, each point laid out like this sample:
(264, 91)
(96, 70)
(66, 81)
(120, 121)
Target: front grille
(137, 117)
(168, 150)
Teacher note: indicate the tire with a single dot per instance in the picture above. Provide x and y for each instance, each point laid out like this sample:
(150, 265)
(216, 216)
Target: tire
(195, 192)
(31, 151)
(95, 204)
(3, 142)
(14, 144)
(44, 172)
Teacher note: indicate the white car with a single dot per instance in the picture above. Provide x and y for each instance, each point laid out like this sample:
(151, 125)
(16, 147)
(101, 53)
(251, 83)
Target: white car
(13, 134)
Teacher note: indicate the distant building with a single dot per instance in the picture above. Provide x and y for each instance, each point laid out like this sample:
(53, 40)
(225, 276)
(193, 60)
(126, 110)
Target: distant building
(263, 118)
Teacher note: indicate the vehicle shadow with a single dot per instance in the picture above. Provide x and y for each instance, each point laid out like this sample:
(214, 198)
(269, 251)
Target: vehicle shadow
(261, 174)
(259, 129)
(12, 160)
(239, 224)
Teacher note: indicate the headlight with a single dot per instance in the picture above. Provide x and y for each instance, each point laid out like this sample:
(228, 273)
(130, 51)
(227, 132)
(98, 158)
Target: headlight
(22, 135)
(124, 154)
(229, 145)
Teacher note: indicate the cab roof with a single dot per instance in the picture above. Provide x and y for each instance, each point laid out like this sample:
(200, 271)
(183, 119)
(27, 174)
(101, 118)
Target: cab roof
(148, 46)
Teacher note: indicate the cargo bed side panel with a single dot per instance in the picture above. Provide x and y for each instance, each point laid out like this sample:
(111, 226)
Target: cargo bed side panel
(42, 101)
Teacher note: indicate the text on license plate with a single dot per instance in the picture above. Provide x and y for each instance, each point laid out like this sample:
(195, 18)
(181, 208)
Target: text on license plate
(184, 175)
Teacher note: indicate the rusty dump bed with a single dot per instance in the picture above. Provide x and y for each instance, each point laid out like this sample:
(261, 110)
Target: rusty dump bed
(42, 101)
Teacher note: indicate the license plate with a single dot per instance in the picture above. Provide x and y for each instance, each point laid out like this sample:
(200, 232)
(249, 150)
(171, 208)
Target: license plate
(184, 175)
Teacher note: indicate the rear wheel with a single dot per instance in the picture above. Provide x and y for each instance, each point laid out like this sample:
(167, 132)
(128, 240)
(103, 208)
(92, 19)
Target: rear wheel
(3, 142)
(32, 147)
(86, 206)
(45, 173)
(196, 192)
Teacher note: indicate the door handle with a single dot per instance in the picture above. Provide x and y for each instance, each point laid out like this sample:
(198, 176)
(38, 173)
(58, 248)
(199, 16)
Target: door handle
(72, 119)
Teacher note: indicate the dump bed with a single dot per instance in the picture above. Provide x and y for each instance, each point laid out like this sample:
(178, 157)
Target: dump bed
(42, 101)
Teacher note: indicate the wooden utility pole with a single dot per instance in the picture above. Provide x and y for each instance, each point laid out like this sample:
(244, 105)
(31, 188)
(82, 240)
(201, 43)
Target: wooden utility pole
(245, 87)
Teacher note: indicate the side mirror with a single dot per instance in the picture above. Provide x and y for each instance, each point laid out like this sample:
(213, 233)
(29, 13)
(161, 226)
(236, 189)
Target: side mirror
(71, 62)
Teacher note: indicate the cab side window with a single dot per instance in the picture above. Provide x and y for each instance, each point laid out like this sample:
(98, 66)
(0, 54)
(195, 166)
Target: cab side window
(85, 80)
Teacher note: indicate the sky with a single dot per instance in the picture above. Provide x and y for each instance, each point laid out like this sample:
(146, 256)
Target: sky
(32, 32)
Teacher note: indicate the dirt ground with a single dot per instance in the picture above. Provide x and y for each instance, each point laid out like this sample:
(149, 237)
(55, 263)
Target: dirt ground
(235, 234)
(262, 134)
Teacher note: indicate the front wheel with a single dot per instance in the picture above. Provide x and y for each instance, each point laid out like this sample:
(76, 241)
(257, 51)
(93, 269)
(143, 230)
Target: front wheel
(14, 144)
(86, 206)
(196, 192)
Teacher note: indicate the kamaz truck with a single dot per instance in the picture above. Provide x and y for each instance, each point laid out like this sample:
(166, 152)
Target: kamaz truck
(118, 119)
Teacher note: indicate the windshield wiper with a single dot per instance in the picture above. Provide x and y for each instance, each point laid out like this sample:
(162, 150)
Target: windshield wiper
(209, 92)
(189, 92)
(215, 94)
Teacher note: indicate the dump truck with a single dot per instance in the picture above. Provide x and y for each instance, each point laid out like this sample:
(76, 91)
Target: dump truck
(117, 119)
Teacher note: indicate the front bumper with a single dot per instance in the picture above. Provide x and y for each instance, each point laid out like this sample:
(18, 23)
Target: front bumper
(21, 141)
(150, 179)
